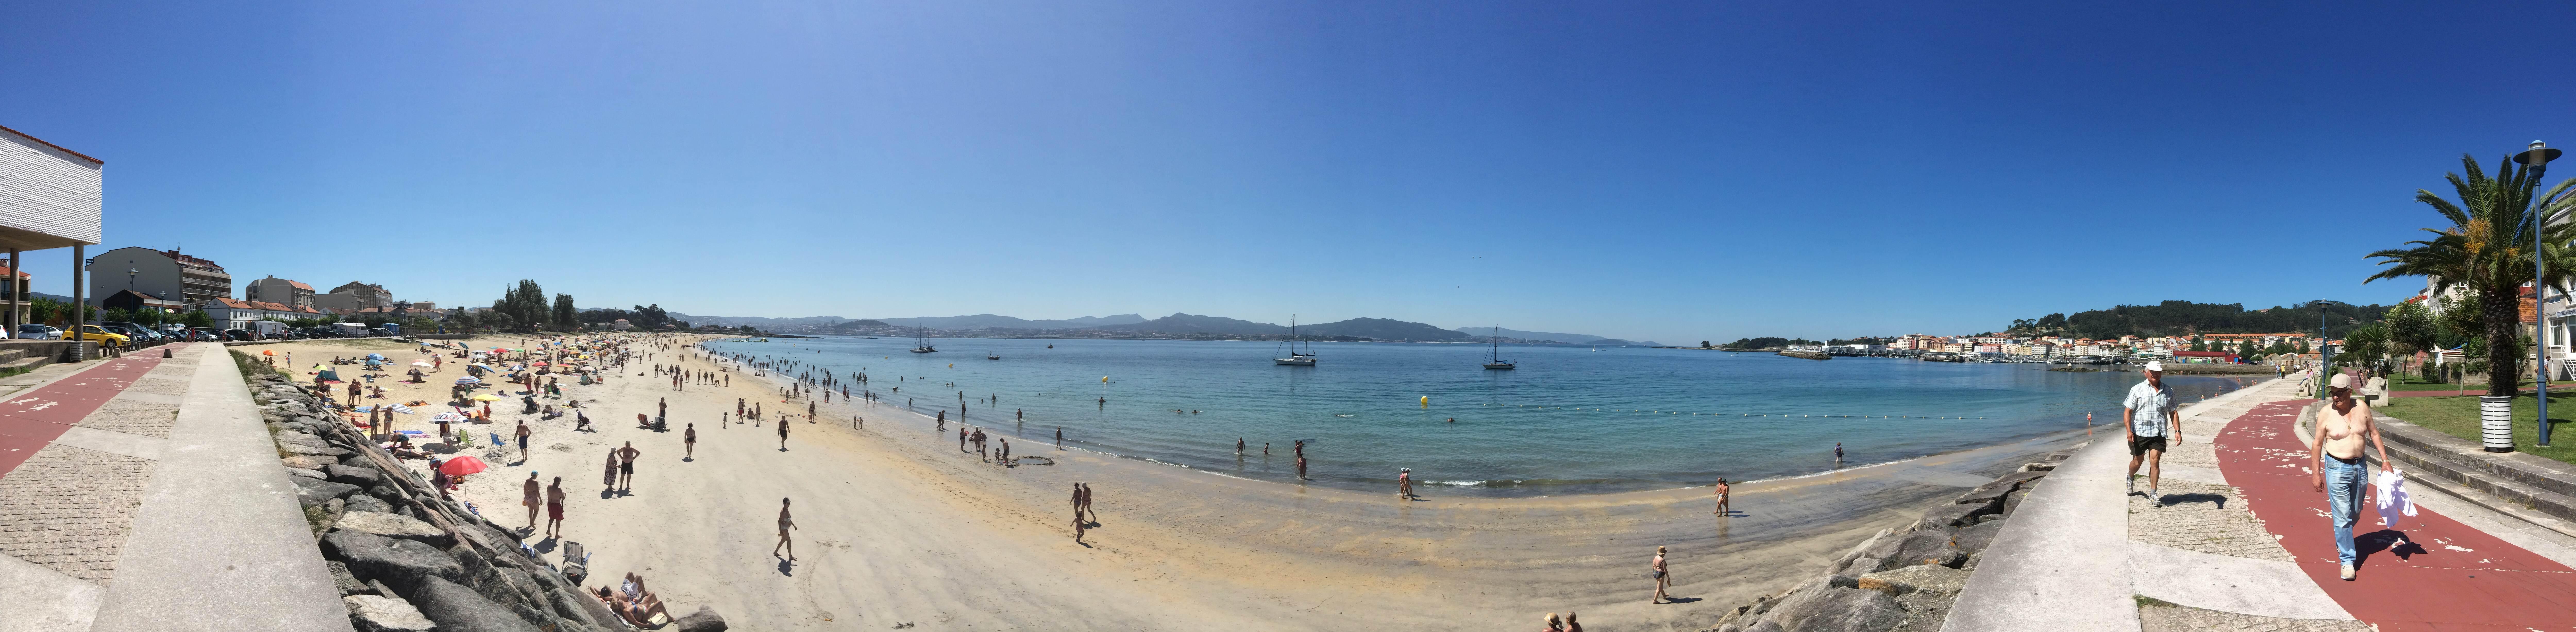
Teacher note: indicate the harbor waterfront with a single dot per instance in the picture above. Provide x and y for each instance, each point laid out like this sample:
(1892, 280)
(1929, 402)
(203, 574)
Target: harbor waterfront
(1569, 420)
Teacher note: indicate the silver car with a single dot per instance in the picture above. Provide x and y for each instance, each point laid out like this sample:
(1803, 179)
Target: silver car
(33, 331)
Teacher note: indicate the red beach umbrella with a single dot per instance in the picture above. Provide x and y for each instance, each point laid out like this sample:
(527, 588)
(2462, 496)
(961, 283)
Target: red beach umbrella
(462, 465)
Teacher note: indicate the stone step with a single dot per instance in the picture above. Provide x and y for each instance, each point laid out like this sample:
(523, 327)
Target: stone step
(12, 353)
(23, 363)
(2524, 499)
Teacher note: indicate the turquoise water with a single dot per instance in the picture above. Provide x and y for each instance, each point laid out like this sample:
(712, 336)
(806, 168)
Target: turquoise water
(1570, 420)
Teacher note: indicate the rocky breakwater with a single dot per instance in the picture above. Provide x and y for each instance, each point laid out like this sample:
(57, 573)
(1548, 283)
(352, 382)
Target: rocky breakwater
(1899, 580)
(406, 559)
(1810, 355)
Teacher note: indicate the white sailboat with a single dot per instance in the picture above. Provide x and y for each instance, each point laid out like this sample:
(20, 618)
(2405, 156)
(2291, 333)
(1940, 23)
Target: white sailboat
(1294, 358)
(1495, 361)
(924, 340)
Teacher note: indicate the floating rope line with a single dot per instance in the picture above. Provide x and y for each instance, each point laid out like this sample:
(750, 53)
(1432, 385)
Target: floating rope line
(1671, 412)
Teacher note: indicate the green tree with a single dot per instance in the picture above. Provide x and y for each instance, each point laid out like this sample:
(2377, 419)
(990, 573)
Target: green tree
(2410, 328)
(1703, 344)
(2364, 346)
(565, 315)
(197, 318)
(2489, 248)
(2197, 345)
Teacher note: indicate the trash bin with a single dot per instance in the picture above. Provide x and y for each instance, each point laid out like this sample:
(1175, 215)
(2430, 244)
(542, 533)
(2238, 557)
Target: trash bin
(2495, 416)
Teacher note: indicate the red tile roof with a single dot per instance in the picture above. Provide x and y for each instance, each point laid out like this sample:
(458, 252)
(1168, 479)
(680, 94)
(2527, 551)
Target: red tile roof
(22, 275)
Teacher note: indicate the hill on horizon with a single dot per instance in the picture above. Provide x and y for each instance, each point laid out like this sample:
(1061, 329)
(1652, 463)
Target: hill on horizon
(991, 321)
(1180, 323)
(1532, 335)
(757, 321)
(1384, 329)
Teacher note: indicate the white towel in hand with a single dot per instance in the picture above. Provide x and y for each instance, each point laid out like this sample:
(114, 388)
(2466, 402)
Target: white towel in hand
(2392, 499)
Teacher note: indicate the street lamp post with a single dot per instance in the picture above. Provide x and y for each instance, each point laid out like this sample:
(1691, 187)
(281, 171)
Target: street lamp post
(2538, 157)
(2325, 359)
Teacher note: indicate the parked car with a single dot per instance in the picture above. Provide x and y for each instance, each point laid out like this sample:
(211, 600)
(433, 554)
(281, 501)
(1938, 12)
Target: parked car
(137, 333)
(33, 331)
(103, 336)
(240, 334)
(380, 331)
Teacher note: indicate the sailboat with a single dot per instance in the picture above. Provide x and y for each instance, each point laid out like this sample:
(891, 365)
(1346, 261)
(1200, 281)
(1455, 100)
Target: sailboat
(1495, 362)
(924, 339)
(1294, 358)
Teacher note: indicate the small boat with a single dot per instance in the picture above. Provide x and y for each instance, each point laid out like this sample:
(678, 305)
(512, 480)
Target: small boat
(1495, 361)
(991, 356)
(1294, 358)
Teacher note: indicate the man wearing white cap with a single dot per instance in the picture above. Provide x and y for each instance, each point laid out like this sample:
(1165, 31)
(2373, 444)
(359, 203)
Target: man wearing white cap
(2151, 416)
(2336, 462)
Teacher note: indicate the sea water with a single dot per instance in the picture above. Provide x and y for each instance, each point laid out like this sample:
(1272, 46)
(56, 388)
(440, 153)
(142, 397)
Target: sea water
(1569, 420)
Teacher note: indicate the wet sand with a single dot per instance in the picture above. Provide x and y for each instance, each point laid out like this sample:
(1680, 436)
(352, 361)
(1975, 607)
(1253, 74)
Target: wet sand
(897, 526)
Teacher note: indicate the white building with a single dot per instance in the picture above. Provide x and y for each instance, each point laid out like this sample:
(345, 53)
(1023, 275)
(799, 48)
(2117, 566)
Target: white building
(49, 198)
(271, 289)
(239, 314)
(162, 274)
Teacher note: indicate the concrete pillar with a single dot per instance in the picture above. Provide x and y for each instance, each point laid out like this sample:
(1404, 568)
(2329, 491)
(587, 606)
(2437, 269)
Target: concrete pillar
(80, 308)
(17, 297)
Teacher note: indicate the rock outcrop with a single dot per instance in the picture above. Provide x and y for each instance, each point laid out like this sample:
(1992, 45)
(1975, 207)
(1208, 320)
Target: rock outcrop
(1898, 580)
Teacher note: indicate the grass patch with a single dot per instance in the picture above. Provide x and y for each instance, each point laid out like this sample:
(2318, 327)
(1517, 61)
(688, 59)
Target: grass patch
(8, 373)
(2458, 417)
(2146, 601)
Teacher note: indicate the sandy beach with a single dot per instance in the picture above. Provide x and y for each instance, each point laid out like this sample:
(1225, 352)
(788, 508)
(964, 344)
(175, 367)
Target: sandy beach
(897, 526)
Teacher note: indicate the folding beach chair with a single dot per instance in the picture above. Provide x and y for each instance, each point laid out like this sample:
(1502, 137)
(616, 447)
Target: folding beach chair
(576, 562)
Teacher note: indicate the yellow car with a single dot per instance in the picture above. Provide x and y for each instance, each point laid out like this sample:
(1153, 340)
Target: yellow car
(102, 335)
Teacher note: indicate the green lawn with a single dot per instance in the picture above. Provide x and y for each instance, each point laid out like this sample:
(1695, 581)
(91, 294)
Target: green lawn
(2458, 417)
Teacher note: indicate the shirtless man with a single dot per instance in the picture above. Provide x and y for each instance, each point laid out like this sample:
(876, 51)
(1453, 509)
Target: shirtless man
(523, 433)
(1404, 482)
(785, 522)
(1722, 489)
(554, 508)
(782, 437)
(689, 440)
(2340, 430)
(626, 465)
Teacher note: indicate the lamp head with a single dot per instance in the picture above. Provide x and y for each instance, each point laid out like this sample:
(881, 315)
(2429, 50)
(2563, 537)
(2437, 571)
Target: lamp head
(2538, 155)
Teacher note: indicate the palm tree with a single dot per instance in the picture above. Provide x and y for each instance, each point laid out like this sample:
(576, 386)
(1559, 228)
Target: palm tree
(2484, 250)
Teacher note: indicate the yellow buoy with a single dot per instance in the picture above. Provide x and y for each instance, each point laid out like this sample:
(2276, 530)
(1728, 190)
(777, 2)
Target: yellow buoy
(1104, 379)
(1426, 401)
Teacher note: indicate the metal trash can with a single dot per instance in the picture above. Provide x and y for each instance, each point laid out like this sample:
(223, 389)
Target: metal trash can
(2495, 416)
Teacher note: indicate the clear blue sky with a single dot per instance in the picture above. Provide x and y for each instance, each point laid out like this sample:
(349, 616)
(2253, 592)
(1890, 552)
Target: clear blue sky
(1678, 171)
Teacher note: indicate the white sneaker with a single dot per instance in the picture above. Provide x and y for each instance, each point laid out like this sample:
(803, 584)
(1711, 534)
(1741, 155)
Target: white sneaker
(2153, 497)
(2347, 571)
(2133, 485)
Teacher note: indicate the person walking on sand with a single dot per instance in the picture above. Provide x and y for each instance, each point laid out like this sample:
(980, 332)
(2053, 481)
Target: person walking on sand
(1059, 437)
(626, 466)
(1077, 526)
(1721, 492)
(1404, 482)
(1002, 455)
(528, 496)
(554, 508)
(1077, 501)
(522, 433)
(689, 441)
(2150, 416)
(782, 437)
(2340, 431)
(785, 522)
(610, 478)
(1663, 580)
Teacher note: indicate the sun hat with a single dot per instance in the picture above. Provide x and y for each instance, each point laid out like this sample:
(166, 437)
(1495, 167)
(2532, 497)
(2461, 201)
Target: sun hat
(2341, 380)
(2155, 366)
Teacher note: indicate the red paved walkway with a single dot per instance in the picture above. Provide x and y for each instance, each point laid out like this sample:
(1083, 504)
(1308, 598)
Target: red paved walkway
(2444, 576)
(34, 418)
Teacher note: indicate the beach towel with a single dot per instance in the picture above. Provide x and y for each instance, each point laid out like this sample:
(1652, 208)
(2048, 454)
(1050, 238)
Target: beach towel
(2392, 498)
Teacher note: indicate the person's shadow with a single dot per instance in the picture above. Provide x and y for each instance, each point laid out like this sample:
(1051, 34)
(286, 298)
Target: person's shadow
(787, 568)
(2385, 539)
(2216, 501)
(1672, 599)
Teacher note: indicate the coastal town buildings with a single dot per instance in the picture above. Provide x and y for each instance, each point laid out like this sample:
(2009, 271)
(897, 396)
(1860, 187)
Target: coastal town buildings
(164, 274)
(49, 198)
(356, 295)
(280, 291)
(232, 313)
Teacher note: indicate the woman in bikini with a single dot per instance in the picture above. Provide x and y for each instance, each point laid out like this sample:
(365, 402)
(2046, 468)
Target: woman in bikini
(1663, 580)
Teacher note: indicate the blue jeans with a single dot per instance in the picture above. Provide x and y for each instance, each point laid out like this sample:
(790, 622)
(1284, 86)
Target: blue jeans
(2344, 482)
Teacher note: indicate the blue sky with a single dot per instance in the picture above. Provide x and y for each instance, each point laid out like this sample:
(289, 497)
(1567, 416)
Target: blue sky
(1675, 171)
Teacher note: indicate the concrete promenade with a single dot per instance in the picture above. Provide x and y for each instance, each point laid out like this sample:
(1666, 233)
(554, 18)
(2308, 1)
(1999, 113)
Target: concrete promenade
(2240, 542)
(143, 493)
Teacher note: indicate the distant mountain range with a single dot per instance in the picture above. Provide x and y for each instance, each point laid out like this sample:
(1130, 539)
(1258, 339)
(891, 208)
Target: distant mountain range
(1138, 325)
(989, 321)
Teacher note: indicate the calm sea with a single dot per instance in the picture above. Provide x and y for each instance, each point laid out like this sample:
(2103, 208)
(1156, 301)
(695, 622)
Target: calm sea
(1570, 420)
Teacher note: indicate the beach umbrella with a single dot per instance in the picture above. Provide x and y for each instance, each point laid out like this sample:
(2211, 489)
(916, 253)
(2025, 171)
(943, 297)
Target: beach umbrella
(487, 397)
(329, 375)
(462, 465)
(376, 356)
(268, 352)
(419, 363)
(539, 363)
